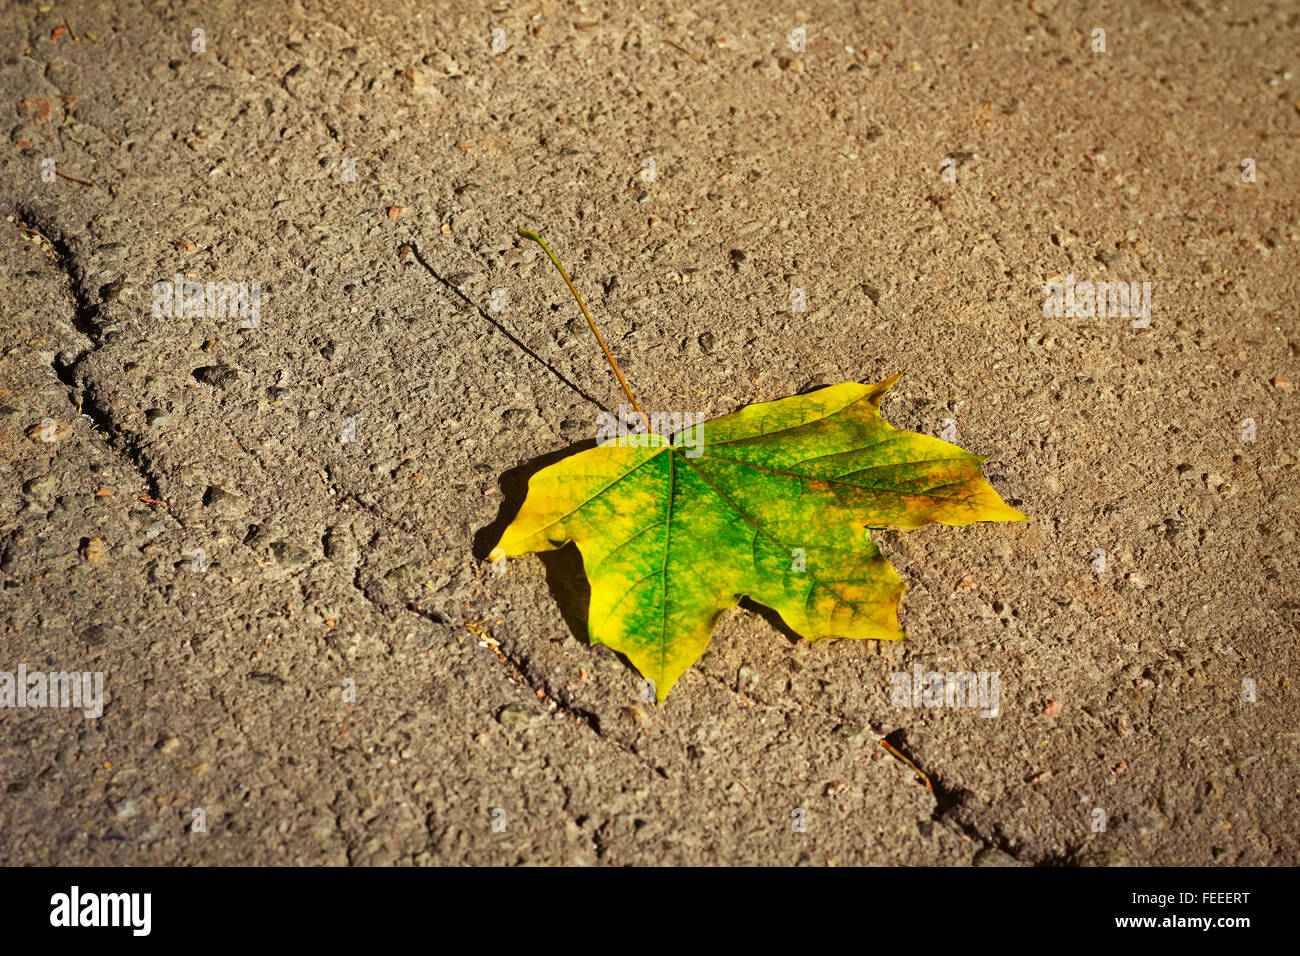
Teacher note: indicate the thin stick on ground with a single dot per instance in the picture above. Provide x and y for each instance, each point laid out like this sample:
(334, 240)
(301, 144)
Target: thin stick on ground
(84, 182)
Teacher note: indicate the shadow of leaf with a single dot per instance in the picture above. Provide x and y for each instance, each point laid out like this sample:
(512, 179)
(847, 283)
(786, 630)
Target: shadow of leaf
(565, 576)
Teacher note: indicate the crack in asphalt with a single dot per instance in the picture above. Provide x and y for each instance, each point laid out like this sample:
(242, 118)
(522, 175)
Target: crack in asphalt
(951, 808)
(522, 674)
(85, 315)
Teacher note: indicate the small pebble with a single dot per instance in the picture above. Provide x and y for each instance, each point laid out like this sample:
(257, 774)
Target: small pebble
(517, 716)
(94, 550)
(41, 487)
(48, 431)
(517, 417)
(96, 635)
(290, 555)
(218, 376)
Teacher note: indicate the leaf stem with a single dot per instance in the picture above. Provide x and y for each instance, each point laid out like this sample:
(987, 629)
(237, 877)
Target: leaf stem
(605, 348)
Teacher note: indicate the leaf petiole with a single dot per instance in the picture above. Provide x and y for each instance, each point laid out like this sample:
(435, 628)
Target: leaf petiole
(524, 233)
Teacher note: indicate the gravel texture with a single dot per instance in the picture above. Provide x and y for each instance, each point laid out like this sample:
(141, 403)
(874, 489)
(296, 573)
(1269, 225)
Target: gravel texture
(339, 677)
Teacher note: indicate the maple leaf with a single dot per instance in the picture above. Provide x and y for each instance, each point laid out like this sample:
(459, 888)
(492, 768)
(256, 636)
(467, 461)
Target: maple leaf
(773, 502)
